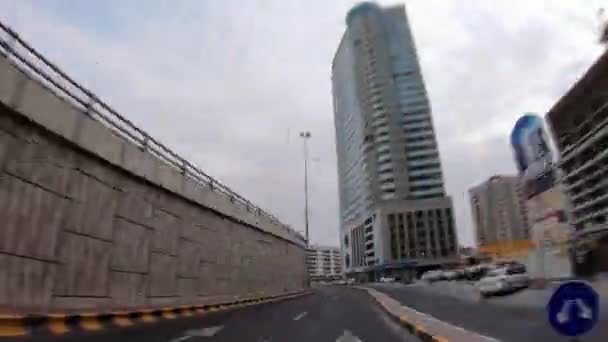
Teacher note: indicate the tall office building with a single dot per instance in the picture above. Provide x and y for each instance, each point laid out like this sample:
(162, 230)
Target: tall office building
(394, 212)
(499, 211)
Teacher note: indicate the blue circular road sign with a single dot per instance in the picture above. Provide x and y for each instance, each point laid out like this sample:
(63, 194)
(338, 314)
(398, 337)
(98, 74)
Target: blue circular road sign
(573, 308)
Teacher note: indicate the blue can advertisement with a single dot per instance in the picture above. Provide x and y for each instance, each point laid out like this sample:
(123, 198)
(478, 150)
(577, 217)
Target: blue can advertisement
(533, 155)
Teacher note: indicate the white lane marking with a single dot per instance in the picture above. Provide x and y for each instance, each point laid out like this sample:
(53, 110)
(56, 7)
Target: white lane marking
(347, 336)
(300, 316)
(205, 332)
(180, 339)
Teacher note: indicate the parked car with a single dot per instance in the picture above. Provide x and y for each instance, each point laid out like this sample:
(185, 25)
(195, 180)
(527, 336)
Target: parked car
(387, 280)
(432, 276)
(350, 281)
(450, 275)
(502, 280)
(475, 273)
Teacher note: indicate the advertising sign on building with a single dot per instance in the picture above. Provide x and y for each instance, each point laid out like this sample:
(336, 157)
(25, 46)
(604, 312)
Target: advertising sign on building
(549, 226)
(549, 231)
(532, 155)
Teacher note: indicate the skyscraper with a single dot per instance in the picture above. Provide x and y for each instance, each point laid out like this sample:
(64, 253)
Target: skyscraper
(394, 212)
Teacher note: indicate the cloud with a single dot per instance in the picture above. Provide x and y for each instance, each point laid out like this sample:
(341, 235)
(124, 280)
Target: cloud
(230, 84)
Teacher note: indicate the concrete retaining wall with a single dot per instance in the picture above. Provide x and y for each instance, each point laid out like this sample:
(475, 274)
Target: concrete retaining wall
(91, 221)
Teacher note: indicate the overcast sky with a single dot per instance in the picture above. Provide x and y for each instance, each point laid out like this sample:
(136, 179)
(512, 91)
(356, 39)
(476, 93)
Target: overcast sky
(229, 84)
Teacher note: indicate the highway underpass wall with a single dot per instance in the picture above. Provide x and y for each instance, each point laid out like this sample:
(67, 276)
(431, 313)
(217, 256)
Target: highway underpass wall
(91, 221)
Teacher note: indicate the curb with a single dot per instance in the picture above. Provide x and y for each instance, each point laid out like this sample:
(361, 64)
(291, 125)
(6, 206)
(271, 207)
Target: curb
(59, 323)
(414, 329)
(417, 330)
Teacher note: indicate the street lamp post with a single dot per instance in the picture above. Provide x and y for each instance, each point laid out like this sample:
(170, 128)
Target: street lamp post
(305, 135)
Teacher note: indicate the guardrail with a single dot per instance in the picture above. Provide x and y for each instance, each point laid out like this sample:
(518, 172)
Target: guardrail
(35, 64)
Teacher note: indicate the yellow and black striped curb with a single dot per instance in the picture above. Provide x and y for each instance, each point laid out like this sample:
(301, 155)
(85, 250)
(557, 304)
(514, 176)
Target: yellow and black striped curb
(415, 329)
(58, 324)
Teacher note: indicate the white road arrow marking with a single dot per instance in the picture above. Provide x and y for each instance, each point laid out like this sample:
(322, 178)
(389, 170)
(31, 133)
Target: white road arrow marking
(347, 336)
(180, 339)
(300, 316)
(205, 332)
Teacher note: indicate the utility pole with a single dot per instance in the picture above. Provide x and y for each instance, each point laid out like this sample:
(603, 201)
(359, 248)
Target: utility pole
(306, 135)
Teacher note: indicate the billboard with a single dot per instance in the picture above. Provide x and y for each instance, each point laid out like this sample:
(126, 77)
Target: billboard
(548, 222)
(550, 232)
(532, 155)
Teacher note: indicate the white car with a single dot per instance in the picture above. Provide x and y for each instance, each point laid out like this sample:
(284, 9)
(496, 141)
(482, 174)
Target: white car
(387, 280)
(450, 275)
(432, 276)
(502, 280)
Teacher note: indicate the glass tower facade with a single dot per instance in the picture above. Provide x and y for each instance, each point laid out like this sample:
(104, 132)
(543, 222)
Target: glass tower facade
(385, 140)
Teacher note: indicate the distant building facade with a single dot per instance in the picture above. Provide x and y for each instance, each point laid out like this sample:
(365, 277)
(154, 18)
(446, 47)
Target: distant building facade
(324, 263)
(394, 211)
(579, 123)
(499, 210)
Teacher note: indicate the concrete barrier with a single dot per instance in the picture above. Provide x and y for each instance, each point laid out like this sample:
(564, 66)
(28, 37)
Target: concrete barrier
(59, 323)
(91, 221)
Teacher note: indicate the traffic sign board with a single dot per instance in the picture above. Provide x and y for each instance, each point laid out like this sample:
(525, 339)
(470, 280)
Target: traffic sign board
(573, 308)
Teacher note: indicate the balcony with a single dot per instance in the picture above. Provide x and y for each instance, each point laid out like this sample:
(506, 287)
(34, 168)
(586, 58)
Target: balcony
(415, 118)
(426, 133)
(385, 176)
(590, 216)
(429, 171)
(427, 152)
(599, 130)
(424, 143)
(430, 161)
(593, 162)
(387, 186)
(590, 190)
(590, 203)
(415, 125)
(434, 191)
(384, 157)
(420, 182)
(381, 129)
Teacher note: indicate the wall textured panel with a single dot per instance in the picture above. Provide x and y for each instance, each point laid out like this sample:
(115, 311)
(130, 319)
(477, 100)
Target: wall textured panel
(166, 232)
(189, 256)
(93, 208)
(84, 265)
(41, 163)
(131, 250)
(32, 218)
(25, 282)
(128, 289)
(163, 275)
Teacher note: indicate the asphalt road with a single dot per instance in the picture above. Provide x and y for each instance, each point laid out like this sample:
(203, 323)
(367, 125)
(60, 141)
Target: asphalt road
(331, 313)
(503, 322)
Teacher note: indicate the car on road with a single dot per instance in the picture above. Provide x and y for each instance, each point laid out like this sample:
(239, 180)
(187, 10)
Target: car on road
(502, 280)
(453, 274)
(432, 276)
(475, 273)
(387, 280)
